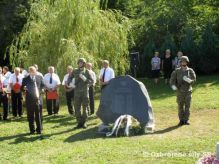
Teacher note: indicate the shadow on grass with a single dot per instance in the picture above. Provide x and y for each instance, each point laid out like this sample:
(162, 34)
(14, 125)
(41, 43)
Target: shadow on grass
(206, 81)
(22, 138)
(63, 121)
(13, 137)
(60, 118)
(166, 130)
(90, 133)
(56, 118)
(84, 135)
(10, 120)
(26, 137)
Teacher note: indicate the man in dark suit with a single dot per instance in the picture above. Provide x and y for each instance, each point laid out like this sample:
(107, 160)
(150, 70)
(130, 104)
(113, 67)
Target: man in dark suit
(33, 85)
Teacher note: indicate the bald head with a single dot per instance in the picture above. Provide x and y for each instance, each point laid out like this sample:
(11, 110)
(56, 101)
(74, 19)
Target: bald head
(89, 66)
(32, 69)
(36, 66)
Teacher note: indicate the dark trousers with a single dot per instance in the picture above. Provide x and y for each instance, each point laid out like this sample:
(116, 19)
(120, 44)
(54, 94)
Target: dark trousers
(0, 102)
(16, 103)
(4, 100)
(91, 99)
(70, 99)
(41, 102)
(81, 99)
(52, 106)
(34, 112)
(184, 102)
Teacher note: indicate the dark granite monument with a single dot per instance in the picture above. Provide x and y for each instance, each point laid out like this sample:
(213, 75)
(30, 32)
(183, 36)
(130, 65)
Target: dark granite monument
(125, 95)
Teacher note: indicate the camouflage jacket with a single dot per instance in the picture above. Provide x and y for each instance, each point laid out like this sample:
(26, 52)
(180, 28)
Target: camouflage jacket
(80, 85)
(177, 79)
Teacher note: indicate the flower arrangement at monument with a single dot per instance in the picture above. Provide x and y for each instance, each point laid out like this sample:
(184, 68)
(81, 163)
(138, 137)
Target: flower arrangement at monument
(208, 159)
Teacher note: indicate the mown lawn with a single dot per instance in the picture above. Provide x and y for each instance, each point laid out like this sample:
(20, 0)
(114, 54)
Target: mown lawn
(61, 143)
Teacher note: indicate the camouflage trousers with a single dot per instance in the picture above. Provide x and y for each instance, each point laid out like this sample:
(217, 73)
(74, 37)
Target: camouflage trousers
(81, 99)
(184, 101)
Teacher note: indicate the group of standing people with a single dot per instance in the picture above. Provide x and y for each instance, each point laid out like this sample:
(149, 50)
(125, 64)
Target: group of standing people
(79, 86)
(78, 83)
(166, 64)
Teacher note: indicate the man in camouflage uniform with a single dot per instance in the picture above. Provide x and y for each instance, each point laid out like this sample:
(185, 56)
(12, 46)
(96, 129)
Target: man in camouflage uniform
(181, 80)
(82, 81)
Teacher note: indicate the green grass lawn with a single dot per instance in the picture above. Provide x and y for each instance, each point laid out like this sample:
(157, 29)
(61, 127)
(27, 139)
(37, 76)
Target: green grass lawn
(168, 144)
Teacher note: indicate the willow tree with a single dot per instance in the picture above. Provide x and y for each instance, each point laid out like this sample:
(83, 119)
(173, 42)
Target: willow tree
(61, 32)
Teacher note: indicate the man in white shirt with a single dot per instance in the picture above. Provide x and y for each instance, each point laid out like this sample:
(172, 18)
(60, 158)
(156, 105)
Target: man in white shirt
(106, 74)
(24, 72)
(3, 95)
(15, 82)
(91, 88)
(177, 60)
(69, 89)
(6, 73)
(52, 83)
(155, 66)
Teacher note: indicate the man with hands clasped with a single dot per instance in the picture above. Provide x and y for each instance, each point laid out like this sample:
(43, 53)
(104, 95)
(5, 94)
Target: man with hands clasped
(181, 81)
(52, 82)
(69, 85)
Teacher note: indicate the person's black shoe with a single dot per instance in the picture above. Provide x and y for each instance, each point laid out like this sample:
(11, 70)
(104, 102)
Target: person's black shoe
(5, 119)
(186, 123)
(72, 114)
(78, 126)
(32, 132)
(70, 111)
(39, 132)
(180, 123)
(84, 126)
(91, 113)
